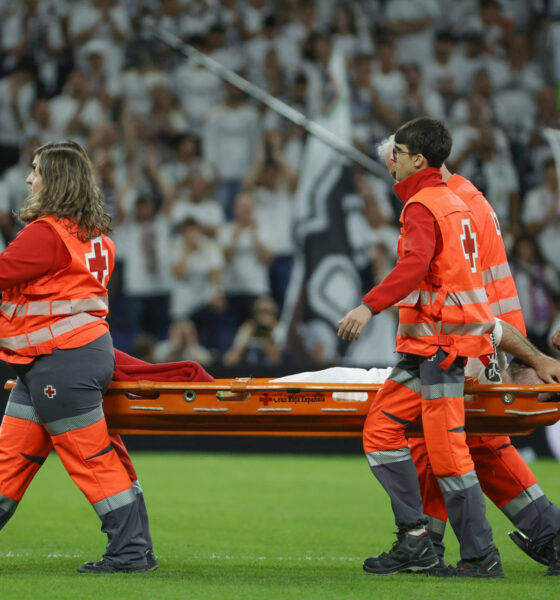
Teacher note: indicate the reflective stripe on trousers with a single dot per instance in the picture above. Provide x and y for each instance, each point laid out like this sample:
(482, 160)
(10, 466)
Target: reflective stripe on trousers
(524, 499)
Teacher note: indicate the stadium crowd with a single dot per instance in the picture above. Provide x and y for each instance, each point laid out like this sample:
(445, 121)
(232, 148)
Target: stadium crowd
(200, 179)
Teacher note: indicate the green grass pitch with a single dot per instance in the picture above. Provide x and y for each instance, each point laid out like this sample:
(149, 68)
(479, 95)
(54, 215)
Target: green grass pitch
(243, 526)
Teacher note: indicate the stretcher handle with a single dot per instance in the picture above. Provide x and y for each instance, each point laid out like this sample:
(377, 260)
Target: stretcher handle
(245, 385)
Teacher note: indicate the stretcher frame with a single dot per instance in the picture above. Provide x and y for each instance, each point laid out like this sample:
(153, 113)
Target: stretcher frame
(261, 407)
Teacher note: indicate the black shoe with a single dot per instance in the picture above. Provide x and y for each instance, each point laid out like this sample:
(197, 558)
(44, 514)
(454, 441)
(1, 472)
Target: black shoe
(151, 560)
(104, 566)
(554, 567)
(441, 569)
(543, 554)
(487, 566)
(409, 553)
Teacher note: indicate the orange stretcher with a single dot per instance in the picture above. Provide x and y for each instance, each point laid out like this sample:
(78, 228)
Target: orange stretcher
(260, 407)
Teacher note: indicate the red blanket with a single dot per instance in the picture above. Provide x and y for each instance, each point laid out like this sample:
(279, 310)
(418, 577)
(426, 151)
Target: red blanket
(128, 368)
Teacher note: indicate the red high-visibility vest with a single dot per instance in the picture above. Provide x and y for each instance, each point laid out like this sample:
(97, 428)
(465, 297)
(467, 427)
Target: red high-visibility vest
(496, 275)
(64, 310)
(450, 308)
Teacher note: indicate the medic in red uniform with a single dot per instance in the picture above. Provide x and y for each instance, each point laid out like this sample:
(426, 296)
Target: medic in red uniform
(54, 333)
(444, 316)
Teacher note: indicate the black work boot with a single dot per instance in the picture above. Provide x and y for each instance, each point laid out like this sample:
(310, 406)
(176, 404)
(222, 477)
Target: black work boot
(554, 565)
(151, 560)
(409, 553)
(543, 553)
(106, 566)
(488, 566)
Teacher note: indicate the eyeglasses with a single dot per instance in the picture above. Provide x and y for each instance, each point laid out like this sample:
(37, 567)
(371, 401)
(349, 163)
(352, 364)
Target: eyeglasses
(396, 152)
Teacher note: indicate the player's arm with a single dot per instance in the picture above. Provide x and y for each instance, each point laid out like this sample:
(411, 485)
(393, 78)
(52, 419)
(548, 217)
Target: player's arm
(556, 339)
(514, 342)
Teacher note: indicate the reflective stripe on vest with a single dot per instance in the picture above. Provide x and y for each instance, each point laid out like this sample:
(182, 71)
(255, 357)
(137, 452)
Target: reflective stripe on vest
(45, 334)
(417, 329)
(506, 305)
(468, 297)
(424, 297)
(468, 328)
(427, 329)
(496, 272)
(452, 299)
(56, 307)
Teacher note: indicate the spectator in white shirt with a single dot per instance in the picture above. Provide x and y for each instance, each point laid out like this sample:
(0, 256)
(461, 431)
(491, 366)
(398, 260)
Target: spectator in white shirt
(372, 118)
(478, 57)
(274, 183)
(372, 222)
(196, 202)
(350, 35)
(230, 55)
(418, 99)
(254, 14)
(270, 38)
(547, 116)
(445, 72)
(14, 190)
(17, 93)
(414, 25)
(104, 20)
(39, 124)
(32, 29)
(198, 89)
(537, 285)
(197, 292)
(103, 84)
(480, 157)
(387, 78)
(182, 344)
(247, 258)
(541, 213)
(165, 118)
(143, 242)
(186, 159)
(522, 71)
(231, 138)
(75, 112)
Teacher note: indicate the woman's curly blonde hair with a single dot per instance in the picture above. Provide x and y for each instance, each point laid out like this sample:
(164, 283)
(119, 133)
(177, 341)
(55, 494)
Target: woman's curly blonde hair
(69, 191)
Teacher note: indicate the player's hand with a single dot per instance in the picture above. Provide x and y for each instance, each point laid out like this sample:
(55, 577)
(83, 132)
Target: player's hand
(353, 322)
(548, 369)
(556, 339)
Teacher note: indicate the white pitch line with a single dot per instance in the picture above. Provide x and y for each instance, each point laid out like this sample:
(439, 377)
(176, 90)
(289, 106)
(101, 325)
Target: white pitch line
(280, 558)
(201, 557)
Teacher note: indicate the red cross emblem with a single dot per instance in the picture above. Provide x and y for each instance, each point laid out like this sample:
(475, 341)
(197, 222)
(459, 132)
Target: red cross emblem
(265, 399)
(98, 260)
(50, 391)
(470, 247)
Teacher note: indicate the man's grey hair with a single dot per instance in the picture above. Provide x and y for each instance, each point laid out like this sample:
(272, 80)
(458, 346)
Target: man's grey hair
(383, 146)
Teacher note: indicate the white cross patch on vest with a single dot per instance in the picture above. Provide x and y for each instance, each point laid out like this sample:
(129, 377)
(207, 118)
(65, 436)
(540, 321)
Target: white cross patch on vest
(98, 260)
(470, 247)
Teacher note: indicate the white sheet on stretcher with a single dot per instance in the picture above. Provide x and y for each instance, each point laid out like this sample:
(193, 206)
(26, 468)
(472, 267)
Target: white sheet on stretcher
(475, 368)
(341, 375)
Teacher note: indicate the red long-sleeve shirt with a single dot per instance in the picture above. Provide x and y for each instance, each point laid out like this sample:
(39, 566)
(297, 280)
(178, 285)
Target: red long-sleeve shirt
(36, 251)
(419, 246)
